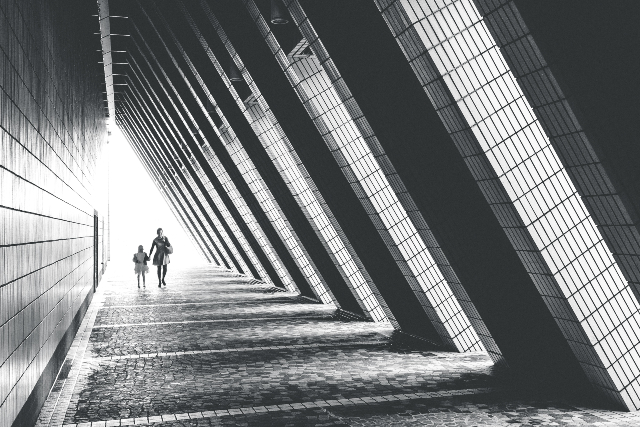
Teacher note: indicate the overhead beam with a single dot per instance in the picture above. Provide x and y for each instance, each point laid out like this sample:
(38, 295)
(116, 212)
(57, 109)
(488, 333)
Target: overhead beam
(105, 41)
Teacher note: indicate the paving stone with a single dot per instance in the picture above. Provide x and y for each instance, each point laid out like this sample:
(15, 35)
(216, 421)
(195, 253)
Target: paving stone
(203, 311)
(217, 350)
(165, 338)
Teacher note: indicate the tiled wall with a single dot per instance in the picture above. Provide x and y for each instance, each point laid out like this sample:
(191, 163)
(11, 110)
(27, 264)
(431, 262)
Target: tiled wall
(221, 216)
(374, 179)
(219, 171)
(151, 108)
(52, 166)
(611, 210)
(264, 196)
(469, 82)
(317, 212)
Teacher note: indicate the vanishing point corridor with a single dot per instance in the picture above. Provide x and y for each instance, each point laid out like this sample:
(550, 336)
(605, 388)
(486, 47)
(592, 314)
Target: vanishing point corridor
(211, 349)
(383, 212)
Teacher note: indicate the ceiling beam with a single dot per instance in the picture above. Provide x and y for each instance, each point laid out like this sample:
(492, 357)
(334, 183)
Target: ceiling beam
(105, 40)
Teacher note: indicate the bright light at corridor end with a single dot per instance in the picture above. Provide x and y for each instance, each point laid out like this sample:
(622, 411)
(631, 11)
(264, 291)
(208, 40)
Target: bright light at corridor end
(137, 209)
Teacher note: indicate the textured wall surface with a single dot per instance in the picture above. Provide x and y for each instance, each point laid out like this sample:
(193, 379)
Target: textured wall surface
(52, 180)
(529, 188)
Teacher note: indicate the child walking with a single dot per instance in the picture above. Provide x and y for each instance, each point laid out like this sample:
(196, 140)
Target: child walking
(141, 258)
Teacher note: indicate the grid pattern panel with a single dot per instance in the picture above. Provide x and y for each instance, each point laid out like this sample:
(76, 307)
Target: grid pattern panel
(202, 176)
(295, 175)
(520, 174)
(158, 106)
(52, 172)
(197, 216)
(566, 134)
(378, 186)
(258, 187)
(374, 187)
(225, 180)
(221, 173)
(314, 208)
(251, 222)
(228, 219)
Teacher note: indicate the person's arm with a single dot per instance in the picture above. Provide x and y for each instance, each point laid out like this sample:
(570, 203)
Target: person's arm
(153, 245)
(166, 239)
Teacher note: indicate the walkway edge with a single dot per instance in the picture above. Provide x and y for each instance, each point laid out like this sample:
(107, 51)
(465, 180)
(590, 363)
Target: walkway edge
(55, 407)
(317, 404)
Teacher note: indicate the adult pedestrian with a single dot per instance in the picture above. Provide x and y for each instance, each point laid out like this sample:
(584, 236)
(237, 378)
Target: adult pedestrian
(161, 258)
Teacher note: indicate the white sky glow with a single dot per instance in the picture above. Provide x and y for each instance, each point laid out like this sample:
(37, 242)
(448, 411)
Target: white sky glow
(137, 209)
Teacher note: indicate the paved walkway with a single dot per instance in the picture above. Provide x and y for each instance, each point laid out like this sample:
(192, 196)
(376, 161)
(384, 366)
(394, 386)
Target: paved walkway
(211, 349)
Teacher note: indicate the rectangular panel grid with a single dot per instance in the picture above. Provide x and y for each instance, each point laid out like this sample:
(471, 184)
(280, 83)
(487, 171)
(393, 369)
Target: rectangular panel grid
(194, 212)
(286, 160)
(213, 193)
(566, 134)
(52, 162)
(334, 119)
(314, 210)
(253, 179)
(221, 173)
(233, 226)
(190, 181)
(551, 228)
(248, 217)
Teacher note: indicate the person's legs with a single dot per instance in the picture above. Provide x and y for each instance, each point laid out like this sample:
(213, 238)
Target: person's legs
(164, 273)
(138, 279)
(143, 280)
(160, 276)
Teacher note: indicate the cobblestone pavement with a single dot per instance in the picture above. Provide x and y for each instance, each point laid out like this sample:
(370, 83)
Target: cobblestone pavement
(212, 349)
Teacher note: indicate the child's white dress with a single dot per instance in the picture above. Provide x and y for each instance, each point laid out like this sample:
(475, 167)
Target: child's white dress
(140, 265)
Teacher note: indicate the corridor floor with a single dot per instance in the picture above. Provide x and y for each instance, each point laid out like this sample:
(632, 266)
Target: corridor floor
(212, 349)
